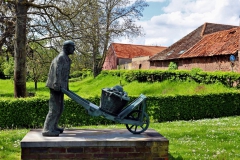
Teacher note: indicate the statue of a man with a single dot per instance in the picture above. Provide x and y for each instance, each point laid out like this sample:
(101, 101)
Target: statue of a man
(57, 78)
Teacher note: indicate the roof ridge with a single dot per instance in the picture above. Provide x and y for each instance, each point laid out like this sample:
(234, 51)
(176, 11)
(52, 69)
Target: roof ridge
(137, 44)
(203, 29)
(219, 32)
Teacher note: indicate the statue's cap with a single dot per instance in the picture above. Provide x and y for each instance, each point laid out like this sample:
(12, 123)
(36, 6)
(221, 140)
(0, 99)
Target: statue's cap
(68, 42)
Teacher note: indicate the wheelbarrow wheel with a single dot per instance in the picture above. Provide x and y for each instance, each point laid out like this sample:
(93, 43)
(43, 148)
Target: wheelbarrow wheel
(136, 115)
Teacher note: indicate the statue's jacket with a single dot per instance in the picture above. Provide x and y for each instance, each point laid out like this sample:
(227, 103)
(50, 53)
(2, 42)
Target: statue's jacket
(59, 72)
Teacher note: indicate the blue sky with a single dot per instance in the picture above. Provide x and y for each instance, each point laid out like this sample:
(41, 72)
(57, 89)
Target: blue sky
(154, 8)
(166, 21)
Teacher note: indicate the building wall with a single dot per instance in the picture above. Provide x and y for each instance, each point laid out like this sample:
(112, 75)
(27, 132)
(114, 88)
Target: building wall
(110, 61)
(218, 63)
(124, 63)
(137, 63)
(141, 63)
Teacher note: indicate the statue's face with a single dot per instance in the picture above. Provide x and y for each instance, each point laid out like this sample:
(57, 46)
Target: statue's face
(71, 49)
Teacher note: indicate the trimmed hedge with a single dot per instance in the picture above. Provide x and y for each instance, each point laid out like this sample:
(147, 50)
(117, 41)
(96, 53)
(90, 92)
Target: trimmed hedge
(31, 112)
(230, 79)
(181, 107)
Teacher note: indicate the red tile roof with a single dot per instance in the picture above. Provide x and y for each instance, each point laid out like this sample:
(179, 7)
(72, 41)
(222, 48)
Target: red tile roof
(219, 43)
(175, 50)
(133, 51)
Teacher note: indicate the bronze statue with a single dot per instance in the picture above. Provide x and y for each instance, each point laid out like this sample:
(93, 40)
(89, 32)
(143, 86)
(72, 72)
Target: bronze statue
(57, 78)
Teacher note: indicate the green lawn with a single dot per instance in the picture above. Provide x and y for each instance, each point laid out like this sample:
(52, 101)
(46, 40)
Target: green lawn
(208, 139)
(91, 87)
(202, 139)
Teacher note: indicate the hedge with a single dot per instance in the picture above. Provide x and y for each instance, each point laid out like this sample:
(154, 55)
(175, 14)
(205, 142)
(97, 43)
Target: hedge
(31, 112)
(182, 107)
(230, 79)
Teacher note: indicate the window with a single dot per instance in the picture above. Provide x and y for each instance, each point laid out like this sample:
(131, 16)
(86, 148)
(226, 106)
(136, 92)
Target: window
(169, 53)
(140, 66)
(181, 52)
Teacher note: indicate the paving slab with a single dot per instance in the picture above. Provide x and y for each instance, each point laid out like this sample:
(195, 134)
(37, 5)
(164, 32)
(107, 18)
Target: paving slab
(92, 137)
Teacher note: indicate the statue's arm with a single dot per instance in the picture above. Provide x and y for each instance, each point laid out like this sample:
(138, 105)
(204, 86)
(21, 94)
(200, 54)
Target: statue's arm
(59, 68)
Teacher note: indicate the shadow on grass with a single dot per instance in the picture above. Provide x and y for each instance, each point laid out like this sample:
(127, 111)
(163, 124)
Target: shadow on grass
(7, 95)
(170, 157)
(30, 92)
(39, 89)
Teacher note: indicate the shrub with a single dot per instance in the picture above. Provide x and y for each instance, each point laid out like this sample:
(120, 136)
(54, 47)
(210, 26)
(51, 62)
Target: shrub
(81, 74)
(8, 67)
(230, 79)
(180, 107)
(172, 66)
(31, 112)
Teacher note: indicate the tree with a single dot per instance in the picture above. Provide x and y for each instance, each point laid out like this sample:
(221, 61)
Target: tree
(20, 49)
(37, 21)
(110, 20)
(92, 24)
(101, 22)
(8, 68)
(7, 29)
(38, 62)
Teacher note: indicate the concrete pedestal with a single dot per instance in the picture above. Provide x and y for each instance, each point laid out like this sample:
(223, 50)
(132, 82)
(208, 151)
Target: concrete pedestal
(95, 144)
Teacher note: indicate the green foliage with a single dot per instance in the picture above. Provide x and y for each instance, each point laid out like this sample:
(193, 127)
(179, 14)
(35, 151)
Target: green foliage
(31, 112)
(230, 79)
(10, 143)
(2, 76)
(183, 107)
(9, 67)
(38, 61)
(81, 74)
(172, 66)
(185, 137)
(194, 71)
(163, 102)
(200, 139)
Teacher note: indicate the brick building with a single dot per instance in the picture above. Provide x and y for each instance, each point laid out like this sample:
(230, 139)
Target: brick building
(129, 56)
(209, 47)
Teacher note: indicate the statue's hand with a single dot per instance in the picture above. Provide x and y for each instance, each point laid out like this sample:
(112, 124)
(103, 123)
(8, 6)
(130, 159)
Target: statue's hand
(56, 87)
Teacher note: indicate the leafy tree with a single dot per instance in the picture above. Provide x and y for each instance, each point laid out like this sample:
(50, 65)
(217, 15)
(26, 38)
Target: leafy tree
(172, 66)
(7, 29)
(106, 21)
(2, 76)
(92, 24)
(36, 21)
(8, 67)
(38, 62)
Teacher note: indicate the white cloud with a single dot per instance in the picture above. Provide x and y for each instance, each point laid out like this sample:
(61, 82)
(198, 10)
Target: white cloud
(156, 0)
(180, 17)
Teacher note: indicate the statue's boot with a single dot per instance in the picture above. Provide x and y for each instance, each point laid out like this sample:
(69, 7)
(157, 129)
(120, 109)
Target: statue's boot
(50, 134)
(59, 129)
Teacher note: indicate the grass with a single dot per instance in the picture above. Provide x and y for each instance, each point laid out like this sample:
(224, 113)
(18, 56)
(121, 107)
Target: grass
(10, 143)
(91, 87)
(201, 139)
(207, 139)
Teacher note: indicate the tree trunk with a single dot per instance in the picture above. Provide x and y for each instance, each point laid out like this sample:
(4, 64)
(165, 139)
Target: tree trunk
(95, 63)
(35, 85)
(20, 50)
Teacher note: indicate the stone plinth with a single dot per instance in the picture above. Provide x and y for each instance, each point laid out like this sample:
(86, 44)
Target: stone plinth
(95, 144)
